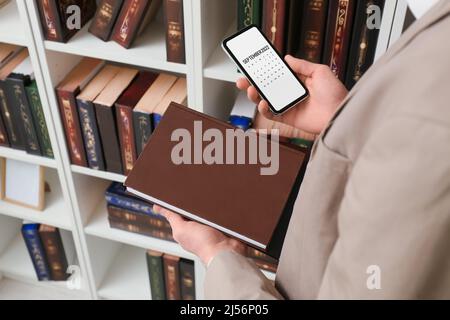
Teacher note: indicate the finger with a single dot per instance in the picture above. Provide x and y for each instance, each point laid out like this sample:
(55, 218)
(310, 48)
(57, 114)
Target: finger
(242, 84)
(173, 218)
(302, 67)
(263, 108)
(253, 94)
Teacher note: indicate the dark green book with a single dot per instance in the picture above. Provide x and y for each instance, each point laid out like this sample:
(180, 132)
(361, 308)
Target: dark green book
(249, 12)
(187, 279)
(39, 119)
(156, 274)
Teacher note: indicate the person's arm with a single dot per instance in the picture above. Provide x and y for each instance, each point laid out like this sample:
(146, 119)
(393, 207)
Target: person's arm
(395, 217)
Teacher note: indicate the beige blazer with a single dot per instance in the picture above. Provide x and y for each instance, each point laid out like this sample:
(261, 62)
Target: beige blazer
(372, 219)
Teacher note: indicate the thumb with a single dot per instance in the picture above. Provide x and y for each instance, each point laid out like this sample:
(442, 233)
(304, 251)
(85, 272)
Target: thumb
(300, 66)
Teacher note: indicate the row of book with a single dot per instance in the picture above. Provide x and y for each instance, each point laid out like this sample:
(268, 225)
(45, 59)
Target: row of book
(109, 112)
(49, 250)
(338, 33)
(118, 20)
(22, 120)
(132, 214)
(171, 277)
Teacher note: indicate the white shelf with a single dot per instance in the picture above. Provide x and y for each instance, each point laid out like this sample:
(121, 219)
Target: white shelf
(149, 50)
(127, 278)
(11, 28)
(20, 155)
(99, 226)
(98, 174)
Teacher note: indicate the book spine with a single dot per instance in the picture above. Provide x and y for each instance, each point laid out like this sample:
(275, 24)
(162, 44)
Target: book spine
(91, 136)
(295, 18)
(340, 20)
(22, 114)
(138, 218)
(36, 251)
(105, 18)
(156, 118)
(130, 204)
(4, 142)
(50, 20)
(313, 30)
(187, 279)
(87, 11)
(142, 230)
(70, 119)
(156, 275)
(128, 24)
(15, 139)
(54, 250)
(108, 135)
(39, 120)
(274, 22)
(249, 12)
(172, 276)
(143, 127)
(175, 31)
(126, 137)
(364, 43)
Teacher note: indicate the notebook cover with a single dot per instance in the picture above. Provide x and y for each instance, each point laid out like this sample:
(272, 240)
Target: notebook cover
(235, 199)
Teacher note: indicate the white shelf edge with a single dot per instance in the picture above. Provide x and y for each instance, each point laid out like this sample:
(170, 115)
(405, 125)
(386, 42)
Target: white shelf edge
(11, 30)
(20, 155)
(98, 174)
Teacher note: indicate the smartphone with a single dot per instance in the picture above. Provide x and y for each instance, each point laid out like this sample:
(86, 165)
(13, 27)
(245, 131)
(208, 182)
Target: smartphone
(266, 70)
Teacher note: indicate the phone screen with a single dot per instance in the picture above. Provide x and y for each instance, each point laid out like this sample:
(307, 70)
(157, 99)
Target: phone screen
(265, 69)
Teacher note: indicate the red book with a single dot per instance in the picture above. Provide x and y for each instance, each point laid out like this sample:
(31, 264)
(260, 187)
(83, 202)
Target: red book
(172, 276)
(174, 31)
(339, 33)
(274, 23)
(124, 114)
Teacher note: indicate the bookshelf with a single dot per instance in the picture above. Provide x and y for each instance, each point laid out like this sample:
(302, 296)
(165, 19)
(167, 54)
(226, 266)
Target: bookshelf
(112, 262)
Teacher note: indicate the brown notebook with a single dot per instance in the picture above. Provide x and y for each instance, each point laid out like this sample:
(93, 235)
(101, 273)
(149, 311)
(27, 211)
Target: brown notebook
(235, 199)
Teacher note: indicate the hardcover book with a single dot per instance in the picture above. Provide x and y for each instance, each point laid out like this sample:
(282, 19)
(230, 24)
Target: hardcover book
(187, 279)
(133, 18)
(56, 15)
(181, 187)
(177, 94)
(138, 218)
(15, 137)
(106, 117)
(124, 112)
(312, 33)
(156, 274)
(174, 21)
(172, 276)
(88, 119)
(141, 229)
(30, 233)
(66, 92)
(338, 35)
(142, 113)
(39, 120)
(105, 18)
(364, 43)
(54, 251)
(249, 12)
(4, 142)
(274, 23)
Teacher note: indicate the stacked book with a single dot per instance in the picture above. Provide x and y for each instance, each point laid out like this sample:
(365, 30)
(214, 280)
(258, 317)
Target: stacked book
(50, 251)
(121, 21)
(337, 33)
(22, 121)
(109, 112)
(171, 277)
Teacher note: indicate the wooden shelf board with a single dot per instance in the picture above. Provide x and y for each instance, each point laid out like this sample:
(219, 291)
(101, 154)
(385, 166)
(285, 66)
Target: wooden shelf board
(98, 174)
(11, 29)
(149, 50)
(127, 278)
(10, 153)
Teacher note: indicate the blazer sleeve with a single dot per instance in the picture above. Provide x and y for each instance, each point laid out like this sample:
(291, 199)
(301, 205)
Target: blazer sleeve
(394, 219)
(231, 276)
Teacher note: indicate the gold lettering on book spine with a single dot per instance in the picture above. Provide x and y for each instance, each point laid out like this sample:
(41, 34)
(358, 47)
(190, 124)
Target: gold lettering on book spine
(343, 11)
(143, 125)
(363, 48)
(36, 102)
(128, 153)
(125, 27)
(273, 29)
(248, 12)
(88, 132)
(313, 37)
(70, 122)
(105, 15)
(27, 122)
(7, 116)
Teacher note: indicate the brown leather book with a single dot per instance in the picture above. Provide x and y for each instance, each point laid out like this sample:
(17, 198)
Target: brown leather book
(138, 218)
(338, 35)
(105, 18)
(274, 22)
(133, 18)
(67, 91)
(174, 21)
(124, 115)
(162, 234)
(106, 117)
(172, 276)
(237, 199)
(54, 251)
(312, 34)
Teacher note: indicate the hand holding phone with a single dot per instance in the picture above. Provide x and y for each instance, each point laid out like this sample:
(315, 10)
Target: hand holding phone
(265, 69)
